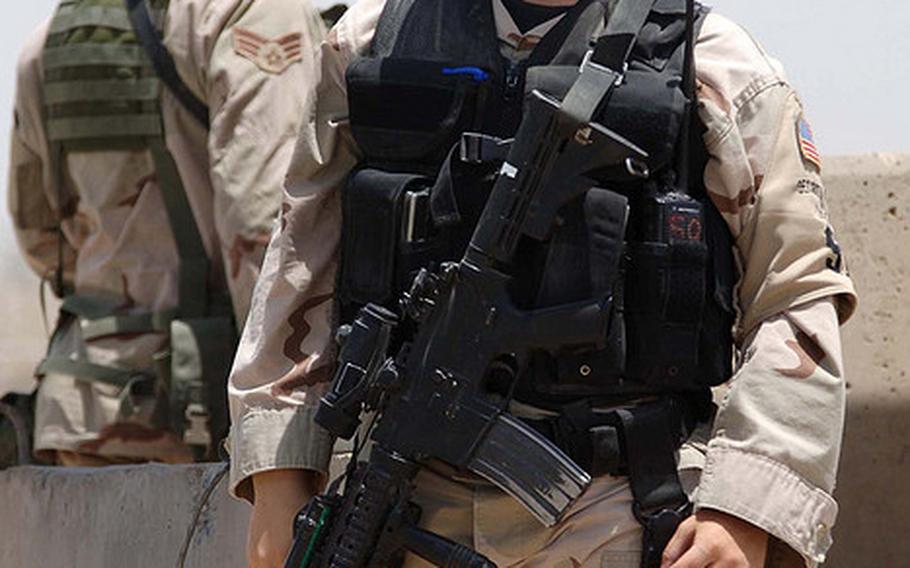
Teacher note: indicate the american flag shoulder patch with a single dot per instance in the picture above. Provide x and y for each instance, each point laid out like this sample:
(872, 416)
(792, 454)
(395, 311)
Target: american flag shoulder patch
(272, 55)
(807, 144)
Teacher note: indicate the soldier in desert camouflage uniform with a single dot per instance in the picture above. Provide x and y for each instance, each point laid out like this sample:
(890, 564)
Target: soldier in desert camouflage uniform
(106, 182)
(762, 480)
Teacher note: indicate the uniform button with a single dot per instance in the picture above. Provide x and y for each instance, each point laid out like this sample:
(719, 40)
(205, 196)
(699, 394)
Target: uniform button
(822, 536)
(584, 370)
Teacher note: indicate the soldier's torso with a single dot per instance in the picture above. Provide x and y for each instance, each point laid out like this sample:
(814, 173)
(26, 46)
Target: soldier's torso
(436, 71)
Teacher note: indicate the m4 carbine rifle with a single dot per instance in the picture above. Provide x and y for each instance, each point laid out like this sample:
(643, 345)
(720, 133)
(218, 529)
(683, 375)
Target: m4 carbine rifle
(431, 400)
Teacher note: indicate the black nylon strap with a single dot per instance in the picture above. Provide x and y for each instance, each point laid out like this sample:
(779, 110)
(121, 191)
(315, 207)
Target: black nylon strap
(614, 46)
(443, 204)
(660, 503)
(164, 65)
(590, 440)
(604, 66)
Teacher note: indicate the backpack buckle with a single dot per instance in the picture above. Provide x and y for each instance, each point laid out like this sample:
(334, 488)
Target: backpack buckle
(197, 431)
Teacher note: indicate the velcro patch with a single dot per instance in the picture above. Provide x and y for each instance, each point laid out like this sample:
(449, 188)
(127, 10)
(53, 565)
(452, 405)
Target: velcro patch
(270, 55)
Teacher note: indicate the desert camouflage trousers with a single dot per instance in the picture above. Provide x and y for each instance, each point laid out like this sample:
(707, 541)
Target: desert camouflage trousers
(598, 531)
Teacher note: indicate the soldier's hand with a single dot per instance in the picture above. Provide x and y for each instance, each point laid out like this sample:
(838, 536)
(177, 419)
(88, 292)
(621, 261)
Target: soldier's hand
(712, 538)
(279, 495)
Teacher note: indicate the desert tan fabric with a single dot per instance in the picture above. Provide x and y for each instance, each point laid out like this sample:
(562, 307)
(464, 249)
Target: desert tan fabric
(773, 456)
(599, 529)
(514, 44)
(779, 426)
(250, 61)
(771, 197)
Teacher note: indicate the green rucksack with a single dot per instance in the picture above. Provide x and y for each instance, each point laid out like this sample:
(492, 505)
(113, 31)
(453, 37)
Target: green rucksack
(104, 70)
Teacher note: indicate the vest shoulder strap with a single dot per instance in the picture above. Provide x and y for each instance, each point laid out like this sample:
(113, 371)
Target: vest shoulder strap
(162, 61)
(194, 262)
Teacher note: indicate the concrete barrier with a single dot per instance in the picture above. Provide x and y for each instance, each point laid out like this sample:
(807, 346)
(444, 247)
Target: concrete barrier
(870, 207)
(118, 517)
(140, 516)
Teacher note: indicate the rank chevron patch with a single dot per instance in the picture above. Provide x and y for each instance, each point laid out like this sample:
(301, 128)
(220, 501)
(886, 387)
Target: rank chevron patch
(270, 55)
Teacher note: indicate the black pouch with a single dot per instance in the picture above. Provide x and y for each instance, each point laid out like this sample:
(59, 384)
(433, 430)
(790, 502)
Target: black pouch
(666, 292)
(584, 262)
(410, 110)
(646, 109)
(373, 208)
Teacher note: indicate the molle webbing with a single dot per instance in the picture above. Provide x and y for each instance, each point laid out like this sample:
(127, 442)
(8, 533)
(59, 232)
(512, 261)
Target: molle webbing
(100, 89)
(102, 92)
(105, 69)
(149, 36)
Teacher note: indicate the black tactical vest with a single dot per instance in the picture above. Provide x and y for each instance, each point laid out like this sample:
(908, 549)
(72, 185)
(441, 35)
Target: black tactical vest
(434, 73)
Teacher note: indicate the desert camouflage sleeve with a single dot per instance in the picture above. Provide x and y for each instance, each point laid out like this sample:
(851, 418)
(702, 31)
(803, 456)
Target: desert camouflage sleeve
(284, 361)
(773, 456)
(252, 61)
(29, 187)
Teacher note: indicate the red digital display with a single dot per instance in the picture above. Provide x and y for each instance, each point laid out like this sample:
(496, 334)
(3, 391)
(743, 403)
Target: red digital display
(684, 226)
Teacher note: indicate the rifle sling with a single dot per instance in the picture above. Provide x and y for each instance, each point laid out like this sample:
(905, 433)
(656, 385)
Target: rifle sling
(605, 64)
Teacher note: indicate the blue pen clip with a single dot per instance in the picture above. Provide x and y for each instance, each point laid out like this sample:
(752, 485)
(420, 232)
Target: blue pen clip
(476, 73)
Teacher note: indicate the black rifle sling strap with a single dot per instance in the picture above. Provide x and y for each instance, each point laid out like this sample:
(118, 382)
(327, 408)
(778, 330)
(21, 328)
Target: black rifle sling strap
(605, 63)
(660, 504)
(684, 151)
(165, 68)
(650, 435)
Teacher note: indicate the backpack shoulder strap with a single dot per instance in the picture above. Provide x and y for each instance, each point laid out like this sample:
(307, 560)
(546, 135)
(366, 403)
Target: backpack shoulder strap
(194, 263)
(150, 39)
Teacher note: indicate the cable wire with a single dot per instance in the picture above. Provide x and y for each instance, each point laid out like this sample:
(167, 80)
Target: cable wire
(206, 495)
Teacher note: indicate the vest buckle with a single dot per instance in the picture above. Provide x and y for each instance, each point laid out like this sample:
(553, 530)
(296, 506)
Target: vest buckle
(476, 148)
(587, 61)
